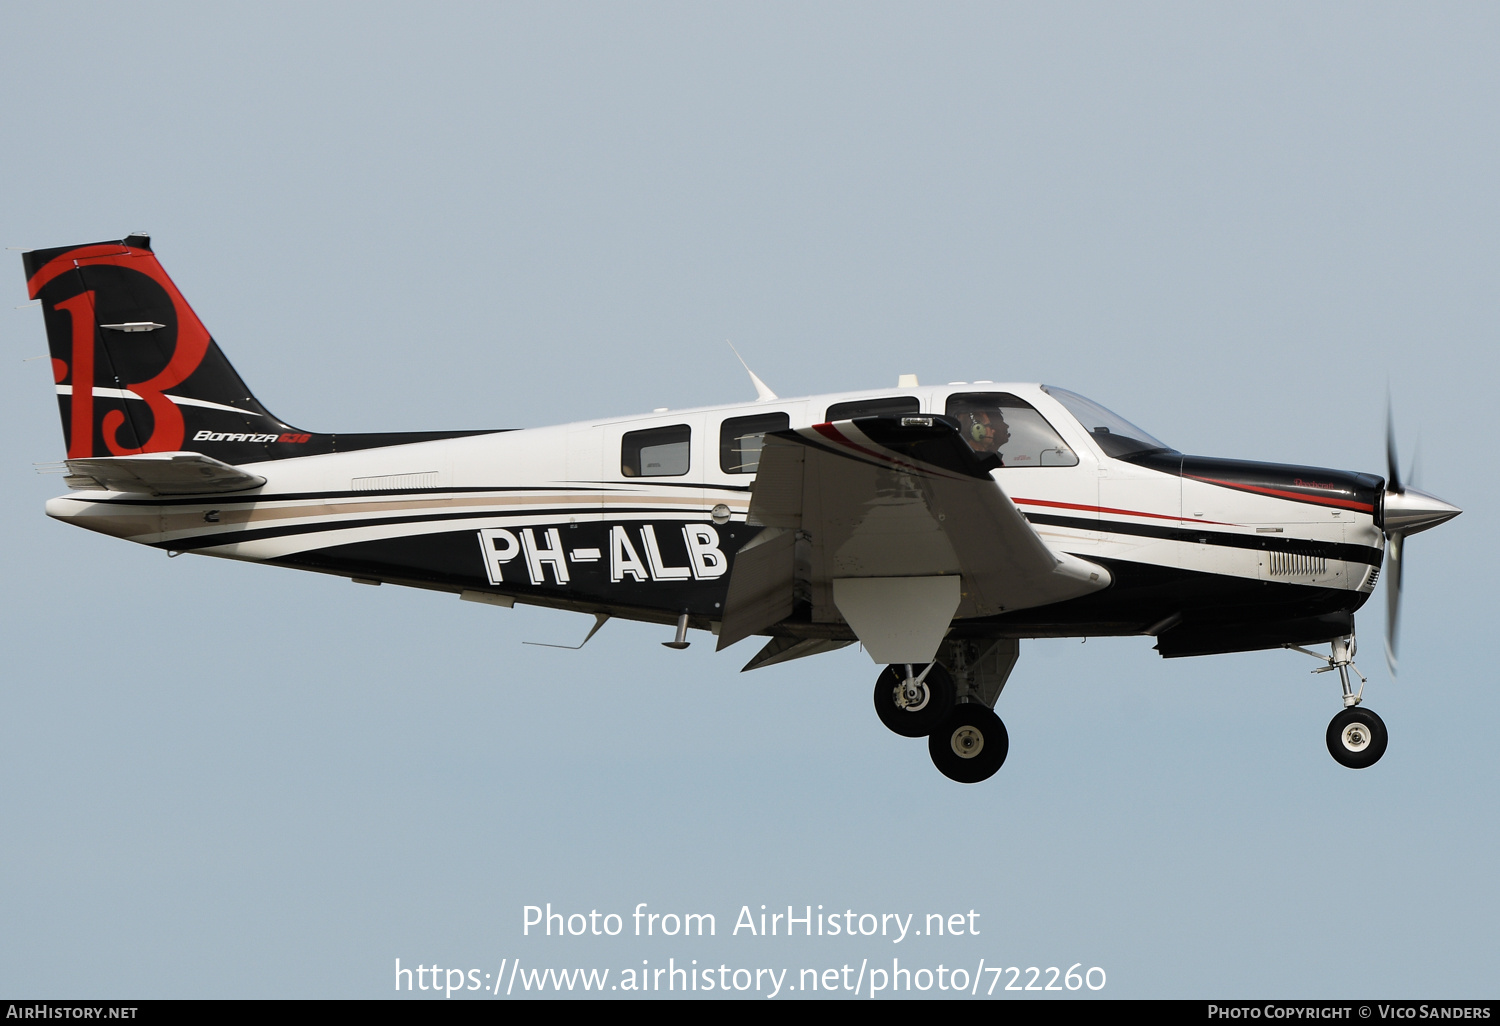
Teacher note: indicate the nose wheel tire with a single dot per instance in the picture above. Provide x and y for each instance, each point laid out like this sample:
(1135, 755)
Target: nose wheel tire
(970, 745)
(913, 709)
(1356, 738)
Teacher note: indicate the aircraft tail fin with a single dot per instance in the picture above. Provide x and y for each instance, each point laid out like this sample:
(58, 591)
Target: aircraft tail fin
(135, 368)
(137, 372)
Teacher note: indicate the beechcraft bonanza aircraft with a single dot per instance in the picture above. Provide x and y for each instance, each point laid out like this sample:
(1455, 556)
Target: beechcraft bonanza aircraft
(936, 526)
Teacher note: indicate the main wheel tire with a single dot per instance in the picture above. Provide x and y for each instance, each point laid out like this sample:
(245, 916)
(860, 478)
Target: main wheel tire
(971, 744)
(913, 718)
(1357, 738)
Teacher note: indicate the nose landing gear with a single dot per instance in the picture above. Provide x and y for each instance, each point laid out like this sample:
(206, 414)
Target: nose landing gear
(1356, 736)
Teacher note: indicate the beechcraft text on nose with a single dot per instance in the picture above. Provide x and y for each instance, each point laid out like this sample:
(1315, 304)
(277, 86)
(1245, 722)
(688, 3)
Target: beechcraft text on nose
(794, 922)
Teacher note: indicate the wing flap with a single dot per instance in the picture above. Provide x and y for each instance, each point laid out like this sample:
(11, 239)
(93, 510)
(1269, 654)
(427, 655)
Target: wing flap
(762, 586)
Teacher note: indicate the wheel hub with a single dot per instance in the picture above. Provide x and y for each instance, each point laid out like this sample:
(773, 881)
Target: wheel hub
(1356, 737)
(967, 742)
(912, 697)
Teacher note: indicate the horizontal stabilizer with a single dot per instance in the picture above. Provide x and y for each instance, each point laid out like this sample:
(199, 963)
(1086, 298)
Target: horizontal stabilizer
(160, 473)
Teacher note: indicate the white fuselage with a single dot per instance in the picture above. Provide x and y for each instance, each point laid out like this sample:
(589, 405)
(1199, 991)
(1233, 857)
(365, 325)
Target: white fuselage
(554, 480)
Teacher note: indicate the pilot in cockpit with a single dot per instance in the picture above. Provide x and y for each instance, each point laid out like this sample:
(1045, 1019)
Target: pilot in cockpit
(985, 430)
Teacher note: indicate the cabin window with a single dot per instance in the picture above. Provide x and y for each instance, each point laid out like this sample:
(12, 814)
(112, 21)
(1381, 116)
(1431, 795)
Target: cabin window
(873, 408)
(741, 438)
(658, 452)
(1009, 427)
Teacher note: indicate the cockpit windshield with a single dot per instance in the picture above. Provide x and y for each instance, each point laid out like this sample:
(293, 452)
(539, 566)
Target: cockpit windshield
(1112, 433)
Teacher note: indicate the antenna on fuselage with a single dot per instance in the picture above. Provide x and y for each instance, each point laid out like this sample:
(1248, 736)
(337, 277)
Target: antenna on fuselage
(600, 619)
(763, 394)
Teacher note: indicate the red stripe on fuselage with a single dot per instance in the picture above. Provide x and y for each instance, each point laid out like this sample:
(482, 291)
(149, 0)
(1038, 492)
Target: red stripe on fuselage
(1117, 512)
(1316, 500)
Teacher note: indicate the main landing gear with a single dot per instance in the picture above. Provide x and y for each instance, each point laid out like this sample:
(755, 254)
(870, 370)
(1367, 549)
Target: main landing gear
(950, 703)
(1356, 736)
(913, 703)
(970, 745)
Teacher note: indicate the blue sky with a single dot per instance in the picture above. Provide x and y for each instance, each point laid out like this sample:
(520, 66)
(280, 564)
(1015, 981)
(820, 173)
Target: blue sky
(1237, 225)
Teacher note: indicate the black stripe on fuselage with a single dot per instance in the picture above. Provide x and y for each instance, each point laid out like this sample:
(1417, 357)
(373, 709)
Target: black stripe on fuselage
(1300, 546)
(1141, 595)
(208, 541)
(1145, 594)
(657, 483)
(1199, 536)
(233, 499)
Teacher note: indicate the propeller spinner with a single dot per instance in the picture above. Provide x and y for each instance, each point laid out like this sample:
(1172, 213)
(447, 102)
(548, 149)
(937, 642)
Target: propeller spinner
(1404, 511)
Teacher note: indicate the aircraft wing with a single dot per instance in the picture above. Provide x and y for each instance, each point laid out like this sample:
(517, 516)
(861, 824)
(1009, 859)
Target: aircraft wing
(160, 473)
(895, 526)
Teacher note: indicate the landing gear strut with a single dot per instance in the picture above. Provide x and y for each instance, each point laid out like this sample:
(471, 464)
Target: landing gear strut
(913, 700)
(949, 702)
(1356, 736)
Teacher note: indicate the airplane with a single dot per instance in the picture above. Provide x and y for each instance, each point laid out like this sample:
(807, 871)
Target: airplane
(935, 526)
